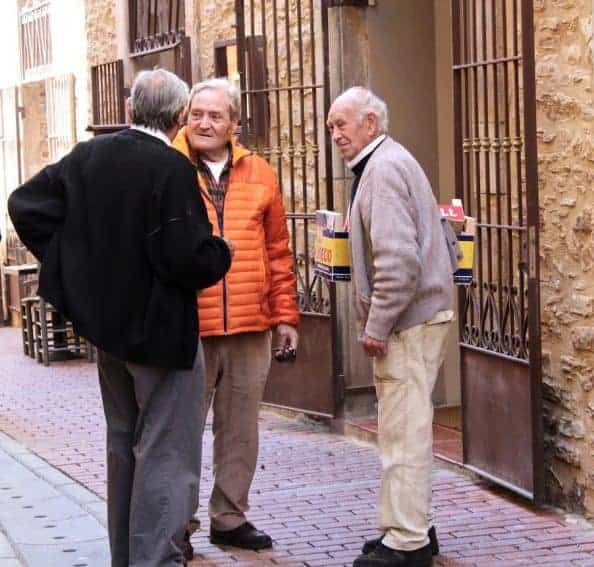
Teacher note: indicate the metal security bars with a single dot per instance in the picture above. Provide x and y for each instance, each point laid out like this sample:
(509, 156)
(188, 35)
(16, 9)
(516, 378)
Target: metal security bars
(155, 25)
(107, 89)
(496, 176)
(496, 173)
(282, 59)
(36, 43)
(282, 48)
(60, 112)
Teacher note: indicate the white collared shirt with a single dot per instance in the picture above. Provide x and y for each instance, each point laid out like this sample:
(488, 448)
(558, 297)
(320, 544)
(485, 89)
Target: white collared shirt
(366, 150)
(152, 132)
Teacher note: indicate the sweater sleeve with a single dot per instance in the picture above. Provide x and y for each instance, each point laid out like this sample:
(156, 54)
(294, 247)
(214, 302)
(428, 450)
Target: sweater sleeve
(37, 208)
(180, 242)
(282, 294)
(395, 251)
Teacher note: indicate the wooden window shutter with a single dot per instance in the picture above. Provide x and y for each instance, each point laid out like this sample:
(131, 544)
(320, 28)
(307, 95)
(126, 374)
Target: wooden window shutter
(257, 80)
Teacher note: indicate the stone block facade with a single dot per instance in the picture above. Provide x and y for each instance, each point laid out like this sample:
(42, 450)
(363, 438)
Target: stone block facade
(565, 122)
(101, 31)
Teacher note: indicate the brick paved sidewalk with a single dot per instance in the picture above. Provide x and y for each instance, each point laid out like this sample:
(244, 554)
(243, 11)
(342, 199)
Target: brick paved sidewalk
(314, 492)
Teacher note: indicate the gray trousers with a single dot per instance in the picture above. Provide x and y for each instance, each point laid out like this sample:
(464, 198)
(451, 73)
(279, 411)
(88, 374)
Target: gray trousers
(154, 449)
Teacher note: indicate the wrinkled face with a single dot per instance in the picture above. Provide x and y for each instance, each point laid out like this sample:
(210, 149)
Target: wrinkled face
(350, 132)
(210, 125)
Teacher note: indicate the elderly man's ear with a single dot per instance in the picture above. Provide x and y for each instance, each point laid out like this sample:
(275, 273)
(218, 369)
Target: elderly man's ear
(182, 117)
(372, 124)
(129, 112)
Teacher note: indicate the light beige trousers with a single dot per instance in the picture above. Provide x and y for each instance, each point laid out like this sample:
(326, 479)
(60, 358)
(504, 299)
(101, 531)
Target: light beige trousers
(237, 368)
(404, 381)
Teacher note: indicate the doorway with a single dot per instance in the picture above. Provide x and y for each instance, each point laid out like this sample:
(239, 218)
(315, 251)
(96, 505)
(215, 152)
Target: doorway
(414, 77)
(458, 78)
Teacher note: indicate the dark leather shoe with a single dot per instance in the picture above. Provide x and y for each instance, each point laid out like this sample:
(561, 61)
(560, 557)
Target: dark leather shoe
(186, 547)
(383, 556)
(245, 536)
(370, 545)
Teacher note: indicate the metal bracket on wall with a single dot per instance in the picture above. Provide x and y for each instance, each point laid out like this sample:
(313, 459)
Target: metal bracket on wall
(340, 3)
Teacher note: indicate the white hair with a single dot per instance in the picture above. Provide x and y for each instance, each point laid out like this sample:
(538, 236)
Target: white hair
(224, 85)
(157, 98)
(366, 102)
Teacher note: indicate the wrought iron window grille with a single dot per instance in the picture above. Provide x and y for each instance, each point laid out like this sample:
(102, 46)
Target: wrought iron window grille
(35, 40)
(155, 25)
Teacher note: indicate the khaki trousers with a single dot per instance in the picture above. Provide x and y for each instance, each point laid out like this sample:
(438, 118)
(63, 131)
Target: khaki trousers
(404, 381)
(237, 368)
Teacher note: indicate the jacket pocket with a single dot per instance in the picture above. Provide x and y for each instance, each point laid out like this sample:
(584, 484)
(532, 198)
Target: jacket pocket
(50, 275)
(263, 276)
(164, 321)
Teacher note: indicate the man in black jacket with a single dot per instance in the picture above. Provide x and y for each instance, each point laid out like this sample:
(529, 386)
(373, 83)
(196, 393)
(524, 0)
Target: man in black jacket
(124, 243)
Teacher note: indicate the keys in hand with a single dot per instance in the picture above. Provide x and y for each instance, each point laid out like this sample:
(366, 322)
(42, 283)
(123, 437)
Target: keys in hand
(287, 339)
(284, 354)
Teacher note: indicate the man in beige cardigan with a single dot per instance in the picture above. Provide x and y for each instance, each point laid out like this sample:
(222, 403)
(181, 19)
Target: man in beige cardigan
(403, 294)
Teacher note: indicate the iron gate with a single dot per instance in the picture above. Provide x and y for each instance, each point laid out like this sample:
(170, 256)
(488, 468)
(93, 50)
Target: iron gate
(496, 176)
(283, 69)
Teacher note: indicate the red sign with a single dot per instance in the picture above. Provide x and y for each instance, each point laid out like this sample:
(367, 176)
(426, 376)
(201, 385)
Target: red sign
(453, 213)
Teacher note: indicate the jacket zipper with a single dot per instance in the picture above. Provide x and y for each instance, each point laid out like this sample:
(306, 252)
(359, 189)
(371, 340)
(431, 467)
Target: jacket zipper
(221, 223)
(220, 218)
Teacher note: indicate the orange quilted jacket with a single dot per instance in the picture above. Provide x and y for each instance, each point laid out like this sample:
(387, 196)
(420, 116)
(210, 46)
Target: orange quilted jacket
(259, 291)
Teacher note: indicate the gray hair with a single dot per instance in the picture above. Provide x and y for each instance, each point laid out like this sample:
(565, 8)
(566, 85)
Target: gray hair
(220, 84)
(157, 98)
(366, 102)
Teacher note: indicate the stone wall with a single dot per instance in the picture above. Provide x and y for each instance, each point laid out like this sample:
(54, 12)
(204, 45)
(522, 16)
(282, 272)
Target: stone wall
(101, 31)
(565, 118)
(214, 21)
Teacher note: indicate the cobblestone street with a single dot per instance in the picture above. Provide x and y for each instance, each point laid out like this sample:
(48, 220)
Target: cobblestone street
(315, 492)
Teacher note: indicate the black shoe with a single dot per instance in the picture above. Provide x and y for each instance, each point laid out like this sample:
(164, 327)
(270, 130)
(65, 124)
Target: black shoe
(186, 547)
(245, 536)
(383, 556)
(370, 545)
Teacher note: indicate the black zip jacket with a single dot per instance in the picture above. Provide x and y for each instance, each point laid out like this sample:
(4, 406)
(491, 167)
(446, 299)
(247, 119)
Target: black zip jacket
(124, 242)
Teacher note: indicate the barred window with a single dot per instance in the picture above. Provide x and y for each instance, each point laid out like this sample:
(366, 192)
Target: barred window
(36, 44)
(108, 93)
(155, 25)
(61, 130)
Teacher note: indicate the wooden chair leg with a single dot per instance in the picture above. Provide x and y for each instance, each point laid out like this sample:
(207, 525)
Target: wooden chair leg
(37, 325)
(44, 344)
(30, 327)
(24, 337)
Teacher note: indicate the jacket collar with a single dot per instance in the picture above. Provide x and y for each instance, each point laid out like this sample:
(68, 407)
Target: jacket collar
(180, 143)
(159, 134)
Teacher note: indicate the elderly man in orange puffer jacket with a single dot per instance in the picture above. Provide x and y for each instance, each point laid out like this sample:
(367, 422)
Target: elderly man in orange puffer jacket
(258, 294)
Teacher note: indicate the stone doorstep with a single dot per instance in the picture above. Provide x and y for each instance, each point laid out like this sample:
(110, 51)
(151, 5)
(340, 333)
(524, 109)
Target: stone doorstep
(47, 518)
(361, 429)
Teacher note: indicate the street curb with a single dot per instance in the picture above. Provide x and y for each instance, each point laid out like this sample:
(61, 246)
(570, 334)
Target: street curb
(79, 494)
(33, 493)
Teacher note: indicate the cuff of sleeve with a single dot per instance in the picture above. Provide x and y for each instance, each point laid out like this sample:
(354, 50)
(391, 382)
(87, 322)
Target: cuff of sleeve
(378, 331)
(284, 320)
